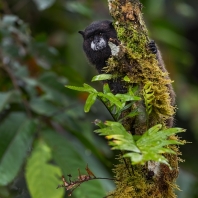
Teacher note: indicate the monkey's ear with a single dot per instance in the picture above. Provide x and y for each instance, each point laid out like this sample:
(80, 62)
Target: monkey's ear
(82, 33)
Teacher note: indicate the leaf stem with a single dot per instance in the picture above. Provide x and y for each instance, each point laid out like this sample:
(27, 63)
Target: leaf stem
(100, 98)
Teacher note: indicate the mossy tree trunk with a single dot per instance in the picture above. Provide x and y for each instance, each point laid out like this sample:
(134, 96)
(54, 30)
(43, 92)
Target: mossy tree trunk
(142, 68)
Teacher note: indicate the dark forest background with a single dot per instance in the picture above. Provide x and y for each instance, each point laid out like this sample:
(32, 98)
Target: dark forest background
(40, 52)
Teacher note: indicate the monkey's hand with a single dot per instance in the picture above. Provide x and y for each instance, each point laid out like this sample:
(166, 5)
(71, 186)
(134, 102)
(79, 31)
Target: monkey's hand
(115, 41)
(152, 47)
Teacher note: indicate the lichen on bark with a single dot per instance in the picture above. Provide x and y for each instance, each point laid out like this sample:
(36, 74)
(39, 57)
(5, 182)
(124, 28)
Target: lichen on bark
(135, 61)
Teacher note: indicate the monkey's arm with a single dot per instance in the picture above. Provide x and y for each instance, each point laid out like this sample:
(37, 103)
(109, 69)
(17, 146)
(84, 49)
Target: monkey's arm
(154, 49)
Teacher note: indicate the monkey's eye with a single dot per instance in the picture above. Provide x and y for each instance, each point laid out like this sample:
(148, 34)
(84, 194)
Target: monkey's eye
(100, 33)
(91, 37)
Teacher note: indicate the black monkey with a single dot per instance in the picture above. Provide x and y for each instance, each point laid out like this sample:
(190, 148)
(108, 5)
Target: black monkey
(95, 45)
(96, 37)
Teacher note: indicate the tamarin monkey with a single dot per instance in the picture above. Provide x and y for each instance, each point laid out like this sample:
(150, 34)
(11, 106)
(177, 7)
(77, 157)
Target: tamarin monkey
(95, 45)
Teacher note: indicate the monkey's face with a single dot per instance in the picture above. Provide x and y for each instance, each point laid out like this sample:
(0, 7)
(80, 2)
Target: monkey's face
(95, 45)
(98, 42)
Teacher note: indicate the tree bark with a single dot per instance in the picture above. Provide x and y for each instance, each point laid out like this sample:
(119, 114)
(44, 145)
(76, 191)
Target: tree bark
(142, 68)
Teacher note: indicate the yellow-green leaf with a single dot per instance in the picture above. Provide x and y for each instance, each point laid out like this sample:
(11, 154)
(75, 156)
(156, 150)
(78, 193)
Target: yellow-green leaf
(41, 176)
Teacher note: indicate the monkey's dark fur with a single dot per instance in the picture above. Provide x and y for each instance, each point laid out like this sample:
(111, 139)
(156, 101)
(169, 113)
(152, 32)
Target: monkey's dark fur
(92, 35)
(95, 45)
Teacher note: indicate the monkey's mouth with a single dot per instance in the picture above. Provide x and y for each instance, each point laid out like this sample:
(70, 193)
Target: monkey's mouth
(98, 44)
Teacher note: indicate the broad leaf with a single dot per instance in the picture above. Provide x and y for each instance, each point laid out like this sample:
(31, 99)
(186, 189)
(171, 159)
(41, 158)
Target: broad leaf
(16, 133)
(69, 160)
(68, 119)
(53, 86)
(7, 97)
(43, 107)
(41, 176)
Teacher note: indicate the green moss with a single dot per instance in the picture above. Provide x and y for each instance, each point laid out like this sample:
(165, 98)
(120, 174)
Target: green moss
(137, 183)
(142, 67)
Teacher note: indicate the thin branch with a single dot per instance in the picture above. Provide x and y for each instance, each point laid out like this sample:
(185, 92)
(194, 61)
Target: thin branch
(107, 109)
(72, 185)
(126, 164)
(85, 180)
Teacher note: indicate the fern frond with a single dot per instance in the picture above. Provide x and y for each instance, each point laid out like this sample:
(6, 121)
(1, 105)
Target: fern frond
(150, 146)
(148, 95)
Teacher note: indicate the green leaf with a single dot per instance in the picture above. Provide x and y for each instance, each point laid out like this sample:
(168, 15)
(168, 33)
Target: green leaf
(89, 87)
(63, 152)
(133, 90)
(52, 80)
(102, 77)
(85, 88)
(68, 157)
(130, 115)
(52, 86)
(150, 146)
(152, 143)
(126, 107)
(67, 120)
(41, 176)
(43, 107)
(90, 101)
(99, 123)
(7, 97)
(122, 140)
(112, 99)
(126, 79)
(106, 88)
(117, 112)
(127, 97)
(16, 134)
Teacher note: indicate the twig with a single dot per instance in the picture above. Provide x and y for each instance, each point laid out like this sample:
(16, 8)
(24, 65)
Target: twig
(85, 180)
(72, 185)
(108, 109)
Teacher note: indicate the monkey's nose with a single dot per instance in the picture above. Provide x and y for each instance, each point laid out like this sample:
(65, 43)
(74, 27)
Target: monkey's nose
(96, 39)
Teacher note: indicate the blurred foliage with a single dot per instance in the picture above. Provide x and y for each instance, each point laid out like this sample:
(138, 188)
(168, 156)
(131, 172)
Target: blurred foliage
(43, 130)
